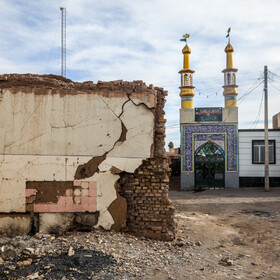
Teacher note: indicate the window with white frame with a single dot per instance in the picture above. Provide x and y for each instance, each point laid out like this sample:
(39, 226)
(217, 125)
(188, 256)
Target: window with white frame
(258, 151)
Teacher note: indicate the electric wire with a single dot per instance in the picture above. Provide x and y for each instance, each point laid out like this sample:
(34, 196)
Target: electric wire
(202, 80)
(255, 123)
(241, 99)
(249, 91)
(208, 95)
(274, 86)
(274, 74)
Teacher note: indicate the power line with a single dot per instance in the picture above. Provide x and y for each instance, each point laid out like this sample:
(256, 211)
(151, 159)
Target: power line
(211, 94)
(258, 114)
(242, 98)
(200, 80)
(274, 74)
(274, 86)
(250, 90)
(172, 125)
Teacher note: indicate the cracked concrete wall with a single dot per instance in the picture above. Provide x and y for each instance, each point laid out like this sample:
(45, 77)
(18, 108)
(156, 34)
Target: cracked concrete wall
(52, 129)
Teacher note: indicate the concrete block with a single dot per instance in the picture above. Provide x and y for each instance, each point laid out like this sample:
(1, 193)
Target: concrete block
(14, 225)
(230, 114)
(55, 222)
(87, 219)
(187, 181)
(186, 115)
(231, 180)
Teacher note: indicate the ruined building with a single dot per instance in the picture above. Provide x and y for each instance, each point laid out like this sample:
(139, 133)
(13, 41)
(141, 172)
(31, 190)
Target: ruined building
(83, 155)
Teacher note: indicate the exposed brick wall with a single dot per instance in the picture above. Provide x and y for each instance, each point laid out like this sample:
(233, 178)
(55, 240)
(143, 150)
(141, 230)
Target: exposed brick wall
(149, 212)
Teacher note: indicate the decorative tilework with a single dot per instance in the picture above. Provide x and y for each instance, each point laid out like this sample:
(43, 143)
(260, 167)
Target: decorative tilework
(201, 132)
(200, 139)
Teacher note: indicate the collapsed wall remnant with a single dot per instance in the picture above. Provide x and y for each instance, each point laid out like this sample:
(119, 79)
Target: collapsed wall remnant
(83, 155)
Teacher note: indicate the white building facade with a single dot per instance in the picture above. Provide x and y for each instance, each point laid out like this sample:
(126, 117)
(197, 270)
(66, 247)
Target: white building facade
(251, 157)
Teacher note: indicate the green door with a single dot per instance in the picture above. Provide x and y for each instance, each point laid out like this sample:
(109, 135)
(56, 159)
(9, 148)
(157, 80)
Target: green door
(209, 166)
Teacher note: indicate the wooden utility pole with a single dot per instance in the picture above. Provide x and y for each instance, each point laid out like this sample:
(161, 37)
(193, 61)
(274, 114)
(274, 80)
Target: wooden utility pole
(266, 151)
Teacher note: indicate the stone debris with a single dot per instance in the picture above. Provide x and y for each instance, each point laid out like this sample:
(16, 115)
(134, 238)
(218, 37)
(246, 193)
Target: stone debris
(94, 255)
(38, 236)
(109, 255)
(71, 251)
(226, 261)
(24, 263)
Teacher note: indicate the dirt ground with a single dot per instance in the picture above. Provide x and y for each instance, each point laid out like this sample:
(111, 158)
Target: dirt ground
(221, 235)
(239, 231)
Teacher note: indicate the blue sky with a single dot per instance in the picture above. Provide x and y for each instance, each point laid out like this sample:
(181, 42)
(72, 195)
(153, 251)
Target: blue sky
(139, 40)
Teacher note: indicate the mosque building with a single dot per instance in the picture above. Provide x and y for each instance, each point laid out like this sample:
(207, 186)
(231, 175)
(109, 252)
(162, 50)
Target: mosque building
(209, 136)
(211, 142)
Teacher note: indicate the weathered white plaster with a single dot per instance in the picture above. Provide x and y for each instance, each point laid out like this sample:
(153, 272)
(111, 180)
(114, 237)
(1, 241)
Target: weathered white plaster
(115, 104)
(105, 220)
(15, 170)
(146, 98)
(139, 122)
(50, 124)
(124, 164)
(106, 194)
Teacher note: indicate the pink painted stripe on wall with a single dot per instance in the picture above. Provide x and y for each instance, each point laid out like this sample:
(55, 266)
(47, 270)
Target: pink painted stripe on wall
(30, 192)
(66, 203)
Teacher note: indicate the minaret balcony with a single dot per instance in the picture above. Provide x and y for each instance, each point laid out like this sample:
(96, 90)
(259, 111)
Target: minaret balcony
(187, 91)
(230, 90)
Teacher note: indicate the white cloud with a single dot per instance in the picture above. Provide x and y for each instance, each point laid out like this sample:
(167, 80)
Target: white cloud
(134, 40)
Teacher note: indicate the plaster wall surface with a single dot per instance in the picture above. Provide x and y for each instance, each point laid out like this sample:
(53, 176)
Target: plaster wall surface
(106, 194)
(50, 124)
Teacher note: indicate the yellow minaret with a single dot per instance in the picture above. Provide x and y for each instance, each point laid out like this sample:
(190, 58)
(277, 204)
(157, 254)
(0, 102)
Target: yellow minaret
(230, 87)
(187, 92)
